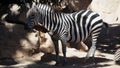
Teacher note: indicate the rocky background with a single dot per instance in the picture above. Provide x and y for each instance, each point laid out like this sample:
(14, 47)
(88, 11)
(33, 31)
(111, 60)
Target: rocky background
(18, 45)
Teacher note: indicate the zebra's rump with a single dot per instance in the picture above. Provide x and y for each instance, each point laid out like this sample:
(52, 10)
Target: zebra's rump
(83, 24)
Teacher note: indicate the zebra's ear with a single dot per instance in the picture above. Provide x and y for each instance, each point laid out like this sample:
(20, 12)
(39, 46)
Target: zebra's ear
(27, 5)
(33, 4)
(30, 5)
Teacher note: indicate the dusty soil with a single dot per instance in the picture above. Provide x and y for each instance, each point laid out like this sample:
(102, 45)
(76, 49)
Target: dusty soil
(75, 59)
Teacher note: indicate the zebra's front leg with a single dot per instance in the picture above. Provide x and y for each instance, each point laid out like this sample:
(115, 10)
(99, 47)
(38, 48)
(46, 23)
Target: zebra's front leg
(63, 41)
(55, 41)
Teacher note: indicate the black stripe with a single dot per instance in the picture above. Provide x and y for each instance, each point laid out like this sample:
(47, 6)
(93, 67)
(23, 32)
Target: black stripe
(61, 23)
(84, 23)
(97, 22)
(89, 24)
(66, 22)
(69, 22)
(51, 21)
(96, 28)
(46, 22)
(78, 21)
(43, 21)
(75, 29)
(54, 21)
(58, 23)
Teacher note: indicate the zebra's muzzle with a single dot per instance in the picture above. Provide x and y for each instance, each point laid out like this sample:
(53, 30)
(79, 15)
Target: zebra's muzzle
(29, 29)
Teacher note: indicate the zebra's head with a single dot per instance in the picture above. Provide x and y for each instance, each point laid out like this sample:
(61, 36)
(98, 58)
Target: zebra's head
(32, 17)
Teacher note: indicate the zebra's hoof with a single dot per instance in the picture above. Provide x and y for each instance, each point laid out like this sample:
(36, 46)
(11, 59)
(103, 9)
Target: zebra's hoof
(57, 64)
(61, 64)
(64, 64)
(90, 60)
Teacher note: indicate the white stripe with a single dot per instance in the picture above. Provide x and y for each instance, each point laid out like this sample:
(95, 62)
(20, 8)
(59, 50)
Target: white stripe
(73, 36)
(68, 37)
(41, 7)
(62, 24)
(52, 23)
(81, 24)
(77, 29)
(95, 19)
(87, 22)
(56, 26)
(100, 24)
(45, 22)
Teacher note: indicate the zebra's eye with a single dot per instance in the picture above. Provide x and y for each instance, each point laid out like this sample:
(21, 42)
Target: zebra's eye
(33, 15)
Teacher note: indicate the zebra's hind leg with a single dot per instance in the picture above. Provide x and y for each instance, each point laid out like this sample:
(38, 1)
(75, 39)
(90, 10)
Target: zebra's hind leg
(91, 52)
(90, 55)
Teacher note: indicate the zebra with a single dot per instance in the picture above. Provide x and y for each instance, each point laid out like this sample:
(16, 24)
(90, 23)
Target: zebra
(67, 27)
(117, 56)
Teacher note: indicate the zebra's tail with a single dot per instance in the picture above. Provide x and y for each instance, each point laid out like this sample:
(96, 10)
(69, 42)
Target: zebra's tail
(105, 25)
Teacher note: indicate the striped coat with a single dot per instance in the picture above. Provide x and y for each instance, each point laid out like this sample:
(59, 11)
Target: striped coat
(67, 27)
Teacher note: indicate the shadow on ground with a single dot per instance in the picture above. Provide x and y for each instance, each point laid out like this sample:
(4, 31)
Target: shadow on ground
(109, 40)
(72, 62)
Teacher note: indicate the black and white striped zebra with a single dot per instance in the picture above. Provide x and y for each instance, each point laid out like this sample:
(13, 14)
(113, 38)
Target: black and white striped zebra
(117, 56)
(67, 27)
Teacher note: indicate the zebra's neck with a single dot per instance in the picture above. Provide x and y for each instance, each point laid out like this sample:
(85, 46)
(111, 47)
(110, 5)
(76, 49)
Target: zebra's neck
(52, 20)
(47, 16)
(45, 8)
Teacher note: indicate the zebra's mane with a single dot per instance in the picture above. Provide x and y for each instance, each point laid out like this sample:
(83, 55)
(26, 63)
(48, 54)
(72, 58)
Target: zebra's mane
(36, 8)
(45, 8)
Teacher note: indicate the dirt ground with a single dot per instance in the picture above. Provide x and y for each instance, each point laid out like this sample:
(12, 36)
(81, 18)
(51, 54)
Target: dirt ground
(75, 59)
(108, 43)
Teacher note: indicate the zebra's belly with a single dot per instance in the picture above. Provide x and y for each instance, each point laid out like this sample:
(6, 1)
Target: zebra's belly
(74, 38)
(77, 37)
